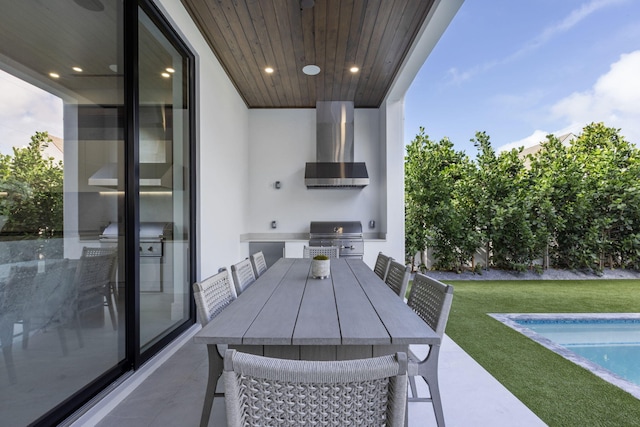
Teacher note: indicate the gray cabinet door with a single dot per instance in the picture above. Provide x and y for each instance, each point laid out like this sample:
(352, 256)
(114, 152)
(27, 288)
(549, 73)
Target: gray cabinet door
(272, 251)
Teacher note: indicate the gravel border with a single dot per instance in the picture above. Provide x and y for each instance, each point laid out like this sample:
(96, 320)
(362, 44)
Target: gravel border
(548, 274)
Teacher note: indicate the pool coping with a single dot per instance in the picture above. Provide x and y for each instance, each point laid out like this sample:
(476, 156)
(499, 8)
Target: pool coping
(510, 320)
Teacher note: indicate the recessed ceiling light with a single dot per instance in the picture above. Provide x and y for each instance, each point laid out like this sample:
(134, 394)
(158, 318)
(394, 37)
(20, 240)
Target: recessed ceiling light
(54, 75)
(268, 70)
(306, 4)
(77, 69)
(170, 70)
(165, 75)
(311, 70)
(354, 69)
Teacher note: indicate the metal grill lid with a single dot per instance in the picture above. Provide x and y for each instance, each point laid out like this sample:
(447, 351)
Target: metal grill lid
(148, 230)
(336, 228)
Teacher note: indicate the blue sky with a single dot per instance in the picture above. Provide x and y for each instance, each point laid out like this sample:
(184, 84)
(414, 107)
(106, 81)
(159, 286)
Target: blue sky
(521, 69)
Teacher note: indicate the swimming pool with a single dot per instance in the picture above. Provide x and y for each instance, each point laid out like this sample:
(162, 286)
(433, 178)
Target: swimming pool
(607, 344)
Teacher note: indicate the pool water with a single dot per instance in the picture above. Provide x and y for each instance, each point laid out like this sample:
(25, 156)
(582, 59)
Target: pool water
(614, 345)
(607, 344)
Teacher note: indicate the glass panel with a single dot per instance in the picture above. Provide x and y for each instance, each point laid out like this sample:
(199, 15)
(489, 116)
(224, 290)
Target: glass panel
(164, 185)
(61, 139)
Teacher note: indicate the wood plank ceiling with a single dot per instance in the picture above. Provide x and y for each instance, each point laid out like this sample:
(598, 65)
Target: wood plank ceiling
(249, 36)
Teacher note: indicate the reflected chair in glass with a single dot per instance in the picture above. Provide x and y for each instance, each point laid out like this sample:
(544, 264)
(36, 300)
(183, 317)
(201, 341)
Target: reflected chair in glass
(91, 281)
(52, 301)
(382, 265)
(259, 263)
(113, 283)
(397, 278)
(330, 251)
(266, 391)
(431, 300)
(212, 295)
(243, 275)
(14, 297)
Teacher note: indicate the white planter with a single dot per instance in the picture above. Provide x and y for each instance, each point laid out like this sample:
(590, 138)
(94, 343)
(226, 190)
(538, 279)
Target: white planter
(320, 268)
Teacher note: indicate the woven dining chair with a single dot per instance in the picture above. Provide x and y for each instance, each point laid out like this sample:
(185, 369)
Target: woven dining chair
(263, 391)
(381, 267)
(243, 275)
(212, 295)
(397, 278)
(259, 264)
(330, 251)
(431, 300)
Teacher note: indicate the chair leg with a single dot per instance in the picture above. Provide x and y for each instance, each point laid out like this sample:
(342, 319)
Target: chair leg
(412, 385)
(428, 370)
(215, 370)
(112, 312)
(436, 401)
(430, 375)
(79, 331)
(26, 327)
(6, 339)
(63, 340)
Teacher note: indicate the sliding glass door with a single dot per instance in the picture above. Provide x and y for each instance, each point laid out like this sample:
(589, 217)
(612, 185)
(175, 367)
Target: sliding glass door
(164, 130)
(95, 199)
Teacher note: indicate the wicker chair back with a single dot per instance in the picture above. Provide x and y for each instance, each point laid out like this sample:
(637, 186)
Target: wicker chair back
(259, 263)
(243, 275)
(266, 391)
(330, 251)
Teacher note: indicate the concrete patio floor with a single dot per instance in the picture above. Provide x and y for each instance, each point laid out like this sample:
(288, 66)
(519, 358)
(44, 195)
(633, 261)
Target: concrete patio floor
(169, 392)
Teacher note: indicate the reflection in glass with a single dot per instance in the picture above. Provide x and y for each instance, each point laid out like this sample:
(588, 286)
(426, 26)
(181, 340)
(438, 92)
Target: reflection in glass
(164, 202)
(61, 299)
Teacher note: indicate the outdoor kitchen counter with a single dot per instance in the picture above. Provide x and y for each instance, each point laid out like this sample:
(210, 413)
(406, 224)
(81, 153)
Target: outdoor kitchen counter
(299, 237)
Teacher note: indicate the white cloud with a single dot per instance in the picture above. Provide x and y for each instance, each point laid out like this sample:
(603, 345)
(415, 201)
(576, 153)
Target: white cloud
(535, 138)
(24, 110)
(573, 19)
(614, 99)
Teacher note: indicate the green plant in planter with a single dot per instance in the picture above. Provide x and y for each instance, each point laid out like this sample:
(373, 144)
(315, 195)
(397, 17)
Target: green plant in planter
(321, 257)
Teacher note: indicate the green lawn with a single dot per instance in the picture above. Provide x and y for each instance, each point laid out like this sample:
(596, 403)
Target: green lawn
(558, 391)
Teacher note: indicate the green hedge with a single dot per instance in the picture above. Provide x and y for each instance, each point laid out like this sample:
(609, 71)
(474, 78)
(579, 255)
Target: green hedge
(578, 203)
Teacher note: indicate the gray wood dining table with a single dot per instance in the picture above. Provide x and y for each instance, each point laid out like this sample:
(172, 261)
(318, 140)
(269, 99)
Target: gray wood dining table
(287, 313)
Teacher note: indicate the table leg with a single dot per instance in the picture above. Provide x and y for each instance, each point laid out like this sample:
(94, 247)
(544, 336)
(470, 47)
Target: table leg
(215, 370)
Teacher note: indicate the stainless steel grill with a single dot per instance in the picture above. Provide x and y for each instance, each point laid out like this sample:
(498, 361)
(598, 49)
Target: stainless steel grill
(153, 262)
(346, 235)
(152, 237)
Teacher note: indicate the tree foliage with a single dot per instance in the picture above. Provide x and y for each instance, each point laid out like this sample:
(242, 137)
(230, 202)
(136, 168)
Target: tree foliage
(32, 188)
(579, 204)
(439, 212)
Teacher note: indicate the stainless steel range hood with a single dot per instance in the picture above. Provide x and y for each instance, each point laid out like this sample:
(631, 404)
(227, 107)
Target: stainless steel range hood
(334, 166)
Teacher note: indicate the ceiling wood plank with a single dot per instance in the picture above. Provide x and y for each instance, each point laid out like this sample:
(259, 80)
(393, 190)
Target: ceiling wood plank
(388, 46)
(340, 69)
(333, 34)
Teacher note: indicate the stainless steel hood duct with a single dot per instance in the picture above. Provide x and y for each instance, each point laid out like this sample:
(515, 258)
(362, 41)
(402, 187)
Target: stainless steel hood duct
(334, 166)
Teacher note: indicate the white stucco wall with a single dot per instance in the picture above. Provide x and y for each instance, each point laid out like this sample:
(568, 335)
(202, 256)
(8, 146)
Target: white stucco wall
(281, 142)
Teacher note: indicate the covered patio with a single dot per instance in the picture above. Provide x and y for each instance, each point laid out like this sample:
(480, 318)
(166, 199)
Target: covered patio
(169, 391)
